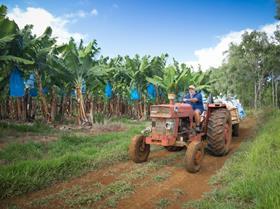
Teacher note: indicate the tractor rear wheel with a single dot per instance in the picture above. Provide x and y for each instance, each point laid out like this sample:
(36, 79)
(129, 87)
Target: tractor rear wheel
(194, 156)
(138, 149)
(219, 132)
(173, 148)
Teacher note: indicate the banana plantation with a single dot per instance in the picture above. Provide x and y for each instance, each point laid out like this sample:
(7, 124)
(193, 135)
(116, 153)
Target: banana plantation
(43, 80)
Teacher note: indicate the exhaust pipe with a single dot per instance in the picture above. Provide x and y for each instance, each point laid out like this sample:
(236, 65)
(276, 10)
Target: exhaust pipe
(171, 98)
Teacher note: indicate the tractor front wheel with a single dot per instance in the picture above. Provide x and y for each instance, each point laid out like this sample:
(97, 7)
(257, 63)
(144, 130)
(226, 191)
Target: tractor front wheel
(138, 149)
(194, 156)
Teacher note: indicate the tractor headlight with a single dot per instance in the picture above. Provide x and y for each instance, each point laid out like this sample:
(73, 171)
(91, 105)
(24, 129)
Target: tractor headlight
(169, 125)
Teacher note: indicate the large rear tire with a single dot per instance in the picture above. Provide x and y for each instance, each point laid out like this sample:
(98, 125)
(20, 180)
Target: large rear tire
(194, 156)
(138, 149)
(219, 132)
(173, 148)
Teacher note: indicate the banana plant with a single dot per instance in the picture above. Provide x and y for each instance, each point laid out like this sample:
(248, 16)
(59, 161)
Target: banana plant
(171, 79)
(10, 43)
(76, 65)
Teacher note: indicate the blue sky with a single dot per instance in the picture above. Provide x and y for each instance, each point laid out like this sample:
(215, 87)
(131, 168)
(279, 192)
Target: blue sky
(179, 28)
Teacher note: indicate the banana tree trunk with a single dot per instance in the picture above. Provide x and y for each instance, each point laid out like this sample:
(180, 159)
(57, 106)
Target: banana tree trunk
(13, 109)
(18, 112)
(157, 96)
(33, 109)
(119, 109)
(1, 111)
(145, 107)
(82, 118)
(42, 98)
(276, 99)
(24, 107)
(29, 107)
(53, 104)
(140, 109)
(90, 109)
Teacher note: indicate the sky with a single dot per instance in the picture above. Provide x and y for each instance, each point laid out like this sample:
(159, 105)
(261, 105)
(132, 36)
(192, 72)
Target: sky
(192, 31)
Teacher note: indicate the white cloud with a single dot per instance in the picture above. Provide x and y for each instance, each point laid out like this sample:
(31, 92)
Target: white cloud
(214, 56)
(41, 19)
(82, 14)
(94, 12)
(79, 13)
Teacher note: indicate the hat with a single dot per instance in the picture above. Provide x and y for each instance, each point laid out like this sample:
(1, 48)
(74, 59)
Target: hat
(192, 87)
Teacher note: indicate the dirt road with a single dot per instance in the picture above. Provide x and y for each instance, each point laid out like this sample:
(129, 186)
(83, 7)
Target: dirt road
(160, 183)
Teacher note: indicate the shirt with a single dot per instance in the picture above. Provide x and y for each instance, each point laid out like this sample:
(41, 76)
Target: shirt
(196, 105)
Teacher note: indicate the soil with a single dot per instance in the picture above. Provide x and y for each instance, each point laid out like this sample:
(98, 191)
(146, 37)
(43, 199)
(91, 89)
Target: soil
(178, 186)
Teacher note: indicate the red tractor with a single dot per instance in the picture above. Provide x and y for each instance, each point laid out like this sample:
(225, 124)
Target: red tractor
(173, 127)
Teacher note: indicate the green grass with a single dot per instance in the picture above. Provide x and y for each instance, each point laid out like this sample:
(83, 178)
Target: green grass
(112, 193)
(162, 203)
(162, 176)
(36, 127)
(251, 178)
(32, 166)
(18, 152)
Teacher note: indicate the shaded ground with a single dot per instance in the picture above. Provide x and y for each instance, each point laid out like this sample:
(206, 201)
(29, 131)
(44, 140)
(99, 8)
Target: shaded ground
(162, 182)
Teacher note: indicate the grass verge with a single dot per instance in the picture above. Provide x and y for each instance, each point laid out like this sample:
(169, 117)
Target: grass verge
(36, 127)
(250, 178)
(34, 165)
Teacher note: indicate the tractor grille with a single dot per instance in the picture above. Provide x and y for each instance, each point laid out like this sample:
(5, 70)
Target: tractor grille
(158, 126)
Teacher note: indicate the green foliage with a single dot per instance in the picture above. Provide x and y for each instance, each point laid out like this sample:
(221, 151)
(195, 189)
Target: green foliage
(9, 39)
(251, 178)
(251, 65)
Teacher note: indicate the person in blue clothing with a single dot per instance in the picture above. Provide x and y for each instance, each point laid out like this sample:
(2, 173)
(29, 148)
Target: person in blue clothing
(194, 98)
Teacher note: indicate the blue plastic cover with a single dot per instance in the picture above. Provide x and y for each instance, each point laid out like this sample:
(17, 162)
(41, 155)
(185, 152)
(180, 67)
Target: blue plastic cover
(152, 94)
(134, 94)
(30, 83)
(73, 93)
(45, 90)
(108, 90)
(240, 108)
(33, 92)
(16, 83)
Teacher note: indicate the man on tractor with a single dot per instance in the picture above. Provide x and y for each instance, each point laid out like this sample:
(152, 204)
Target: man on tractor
(194, 98)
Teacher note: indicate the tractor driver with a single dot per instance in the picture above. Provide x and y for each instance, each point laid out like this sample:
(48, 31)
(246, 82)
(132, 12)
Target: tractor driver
(194, 98)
